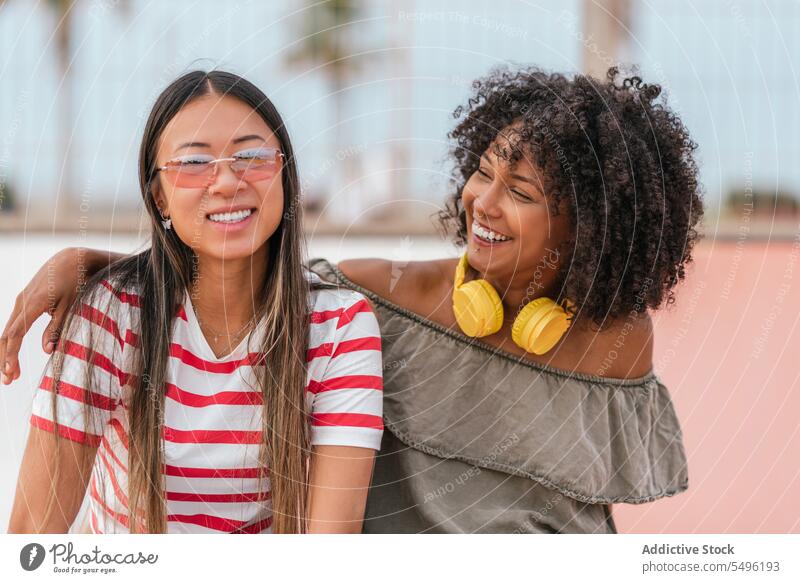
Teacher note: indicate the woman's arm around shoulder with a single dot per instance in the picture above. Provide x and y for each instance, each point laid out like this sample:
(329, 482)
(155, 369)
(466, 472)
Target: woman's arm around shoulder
(51, 291)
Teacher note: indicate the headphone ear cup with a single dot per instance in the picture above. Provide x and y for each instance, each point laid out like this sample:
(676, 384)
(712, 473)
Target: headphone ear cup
(478, 308)
(540, 325)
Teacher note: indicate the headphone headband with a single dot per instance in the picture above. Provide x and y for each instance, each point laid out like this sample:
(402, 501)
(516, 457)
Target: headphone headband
(461, 271)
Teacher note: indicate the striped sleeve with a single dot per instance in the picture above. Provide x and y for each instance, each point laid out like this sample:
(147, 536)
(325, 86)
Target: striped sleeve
(92, 371)
(347, 405)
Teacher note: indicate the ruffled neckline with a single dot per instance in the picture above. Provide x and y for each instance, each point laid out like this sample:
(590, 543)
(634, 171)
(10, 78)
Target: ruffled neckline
(480, 345)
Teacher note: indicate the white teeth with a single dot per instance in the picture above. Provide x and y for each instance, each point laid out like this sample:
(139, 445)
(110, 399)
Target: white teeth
(234, 217)
(487, 234)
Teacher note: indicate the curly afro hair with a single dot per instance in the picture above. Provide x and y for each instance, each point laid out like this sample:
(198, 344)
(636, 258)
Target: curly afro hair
(619, 160)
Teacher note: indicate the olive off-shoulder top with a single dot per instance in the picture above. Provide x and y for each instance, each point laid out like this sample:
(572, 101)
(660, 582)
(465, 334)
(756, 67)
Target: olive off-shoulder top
(480, 440)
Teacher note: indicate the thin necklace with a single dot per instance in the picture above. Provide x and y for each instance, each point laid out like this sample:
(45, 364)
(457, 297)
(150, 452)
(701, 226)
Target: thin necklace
(218, 335)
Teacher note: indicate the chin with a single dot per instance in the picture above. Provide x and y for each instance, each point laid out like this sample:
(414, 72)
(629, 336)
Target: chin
(497, 263)
(231, 252)
(484, 260)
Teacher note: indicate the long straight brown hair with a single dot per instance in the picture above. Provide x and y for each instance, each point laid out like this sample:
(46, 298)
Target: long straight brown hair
(162, 274)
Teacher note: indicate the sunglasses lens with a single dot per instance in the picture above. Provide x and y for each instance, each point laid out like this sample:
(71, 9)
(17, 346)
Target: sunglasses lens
(256, 168)
(190, 175)
(259, 173)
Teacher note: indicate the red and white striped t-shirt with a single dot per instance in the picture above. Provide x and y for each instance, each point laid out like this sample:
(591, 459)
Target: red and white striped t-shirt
(212, 416)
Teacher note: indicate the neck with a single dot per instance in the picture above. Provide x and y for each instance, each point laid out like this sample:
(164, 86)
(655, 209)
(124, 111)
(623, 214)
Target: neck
(520, 290)
(225, 293)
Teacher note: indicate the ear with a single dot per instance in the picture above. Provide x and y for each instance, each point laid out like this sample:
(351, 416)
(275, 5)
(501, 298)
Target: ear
(158, 195)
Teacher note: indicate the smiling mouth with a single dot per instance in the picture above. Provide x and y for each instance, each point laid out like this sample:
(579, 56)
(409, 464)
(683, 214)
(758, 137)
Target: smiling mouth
(230, 218)
(488, 235)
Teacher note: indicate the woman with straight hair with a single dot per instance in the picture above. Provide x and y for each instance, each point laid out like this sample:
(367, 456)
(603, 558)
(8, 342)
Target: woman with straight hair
(519, 391)
(210, 383)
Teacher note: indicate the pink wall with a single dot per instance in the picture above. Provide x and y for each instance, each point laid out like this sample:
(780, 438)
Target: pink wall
(729, 352)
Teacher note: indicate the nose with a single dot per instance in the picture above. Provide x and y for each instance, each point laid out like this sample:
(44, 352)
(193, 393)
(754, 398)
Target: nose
(486, 202)
(224, 181)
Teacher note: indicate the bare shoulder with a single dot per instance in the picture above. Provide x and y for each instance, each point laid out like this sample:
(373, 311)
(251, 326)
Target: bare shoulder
(632, 338)
(621, 349)
(407, 283)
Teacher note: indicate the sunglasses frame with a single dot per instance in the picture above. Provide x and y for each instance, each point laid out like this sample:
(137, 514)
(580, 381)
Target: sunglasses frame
(166, 167)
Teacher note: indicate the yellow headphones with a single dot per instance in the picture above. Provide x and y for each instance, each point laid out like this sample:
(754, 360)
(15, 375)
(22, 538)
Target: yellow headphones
(479, 312)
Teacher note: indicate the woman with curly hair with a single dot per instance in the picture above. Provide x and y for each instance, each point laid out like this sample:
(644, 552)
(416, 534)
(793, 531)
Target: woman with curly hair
(519, 394)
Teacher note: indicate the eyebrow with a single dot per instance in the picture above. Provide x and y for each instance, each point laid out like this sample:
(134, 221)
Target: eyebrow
(524, 179)
(239, 140)
(193, 145)
(516, 176)
(247, 138)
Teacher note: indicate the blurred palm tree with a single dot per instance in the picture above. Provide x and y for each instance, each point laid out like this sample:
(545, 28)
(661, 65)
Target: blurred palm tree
(324, 42)
(7, 196)
(62, 13)
(328, 41)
